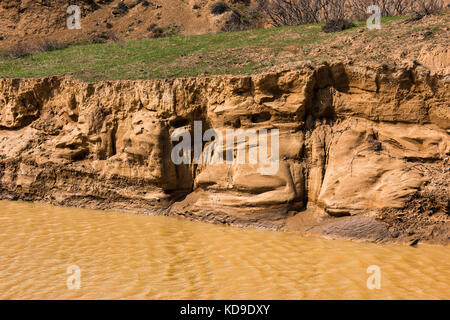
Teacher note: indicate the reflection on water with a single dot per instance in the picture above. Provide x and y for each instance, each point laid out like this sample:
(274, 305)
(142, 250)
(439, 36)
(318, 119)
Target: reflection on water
(141, 257)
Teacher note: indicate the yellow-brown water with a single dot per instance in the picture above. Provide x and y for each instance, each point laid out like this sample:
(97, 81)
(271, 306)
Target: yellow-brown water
(141, 257)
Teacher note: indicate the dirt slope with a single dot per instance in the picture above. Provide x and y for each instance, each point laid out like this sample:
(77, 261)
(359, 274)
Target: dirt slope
(25, 20)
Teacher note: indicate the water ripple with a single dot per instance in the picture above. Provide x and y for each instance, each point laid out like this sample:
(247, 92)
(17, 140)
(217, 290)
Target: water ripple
(125, 256)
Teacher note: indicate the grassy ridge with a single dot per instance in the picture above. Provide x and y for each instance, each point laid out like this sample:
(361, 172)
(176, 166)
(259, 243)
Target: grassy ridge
(178, 56)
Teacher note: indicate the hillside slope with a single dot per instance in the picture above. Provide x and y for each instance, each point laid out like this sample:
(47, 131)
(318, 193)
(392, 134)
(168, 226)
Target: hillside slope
(399, 42)
(28, 20)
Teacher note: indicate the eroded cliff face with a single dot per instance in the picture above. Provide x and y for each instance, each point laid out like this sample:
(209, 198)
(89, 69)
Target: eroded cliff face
(360, 146)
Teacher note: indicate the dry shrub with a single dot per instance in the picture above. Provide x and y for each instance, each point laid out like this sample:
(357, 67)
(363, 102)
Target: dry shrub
(104, 37)
(24, 49)
(157, 32)
(358, 8)
(337, 25)
(120, 9)
(242, 19)
(50, 45)
(428, 7)
(19, 50)
(219, 7)
(295, 12)
(291, 12)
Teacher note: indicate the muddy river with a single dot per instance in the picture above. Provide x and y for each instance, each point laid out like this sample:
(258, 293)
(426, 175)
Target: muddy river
(66, 253)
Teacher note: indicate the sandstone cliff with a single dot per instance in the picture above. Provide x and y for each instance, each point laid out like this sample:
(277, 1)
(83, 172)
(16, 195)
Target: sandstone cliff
(363, 149)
